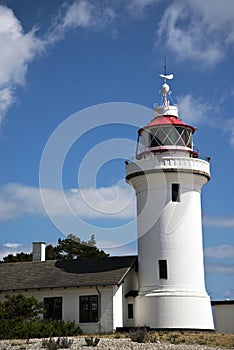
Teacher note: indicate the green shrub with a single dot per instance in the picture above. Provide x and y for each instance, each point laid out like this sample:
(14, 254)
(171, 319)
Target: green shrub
(20, 308)
(50, 344)
(140, 335)
(11, 329)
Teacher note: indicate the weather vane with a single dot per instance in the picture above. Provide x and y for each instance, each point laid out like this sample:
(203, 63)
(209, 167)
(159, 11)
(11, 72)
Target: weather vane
(165, 76)
(165, 87)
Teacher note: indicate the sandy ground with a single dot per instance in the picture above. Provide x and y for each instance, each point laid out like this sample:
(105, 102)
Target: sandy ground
(105, 343)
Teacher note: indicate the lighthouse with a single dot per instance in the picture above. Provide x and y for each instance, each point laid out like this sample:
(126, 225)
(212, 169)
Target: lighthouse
(167, 175)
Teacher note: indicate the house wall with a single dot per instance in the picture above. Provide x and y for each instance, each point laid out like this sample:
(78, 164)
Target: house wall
(130, 283)
(117, 306)
(129, 322)
(70, 305)
(106, 324)
(224, 318)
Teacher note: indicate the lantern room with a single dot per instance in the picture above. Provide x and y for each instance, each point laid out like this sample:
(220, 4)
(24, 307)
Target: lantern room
(166, 132)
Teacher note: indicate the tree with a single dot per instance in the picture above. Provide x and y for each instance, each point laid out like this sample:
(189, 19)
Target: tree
(20, 308)
(70, 248)
(18, 257)
(91, 242)
(20, 318)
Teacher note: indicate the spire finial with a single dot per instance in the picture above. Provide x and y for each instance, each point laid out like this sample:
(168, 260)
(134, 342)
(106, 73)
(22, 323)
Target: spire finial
(164, 108)
(165, 66)
(165, 87)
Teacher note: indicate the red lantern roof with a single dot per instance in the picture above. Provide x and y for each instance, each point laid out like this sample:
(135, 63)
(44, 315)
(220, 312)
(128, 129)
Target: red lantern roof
(167, 120)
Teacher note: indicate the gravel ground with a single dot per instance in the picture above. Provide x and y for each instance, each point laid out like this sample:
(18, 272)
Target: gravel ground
(105, 343)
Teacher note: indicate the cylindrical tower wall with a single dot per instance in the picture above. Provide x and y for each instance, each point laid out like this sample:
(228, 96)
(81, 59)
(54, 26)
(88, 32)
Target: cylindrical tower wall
(174, 312)
(170, 231)
(172, 290)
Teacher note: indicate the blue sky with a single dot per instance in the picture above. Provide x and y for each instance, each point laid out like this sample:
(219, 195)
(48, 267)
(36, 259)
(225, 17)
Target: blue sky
(64, 65)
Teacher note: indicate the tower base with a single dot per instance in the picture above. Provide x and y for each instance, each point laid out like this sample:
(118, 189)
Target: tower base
(170, 312)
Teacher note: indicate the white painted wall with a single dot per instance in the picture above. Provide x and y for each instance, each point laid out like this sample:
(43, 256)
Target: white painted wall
(130, 283)
(117, 306)
(128, 322)
(171, 231)
(224, 318)
(106, 324)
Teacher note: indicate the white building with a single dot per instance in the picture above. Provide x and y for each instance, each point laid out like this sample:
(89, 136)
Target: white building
(162, 288)
(96, 293)
(224, 316)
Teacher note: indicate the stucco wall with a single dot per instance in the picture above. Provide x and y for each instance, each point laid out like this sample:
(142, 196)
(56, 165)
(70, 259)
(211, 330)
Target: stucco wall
(224, 318)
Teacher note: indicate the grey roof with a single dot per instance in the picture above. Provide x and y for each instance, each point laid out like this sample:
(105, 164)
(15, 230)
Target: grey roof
(222, 302)
(65, 273)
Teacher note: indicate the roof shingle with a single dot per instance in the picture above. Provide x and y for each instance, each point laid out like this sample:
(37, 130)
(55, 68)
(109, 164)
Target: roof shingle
(65, 273)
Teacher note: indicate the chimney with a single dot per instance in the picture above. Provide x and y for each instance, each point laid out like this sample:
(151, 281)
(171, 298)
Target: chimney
(38, 251)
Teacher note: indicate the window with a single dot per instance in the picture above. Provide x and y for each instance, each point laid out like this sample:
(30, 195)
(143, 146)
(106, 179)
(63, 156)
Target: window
(170, 136)
(53, 308)
(89, 308)
(162, 269)
(175, 193)
(130, 311)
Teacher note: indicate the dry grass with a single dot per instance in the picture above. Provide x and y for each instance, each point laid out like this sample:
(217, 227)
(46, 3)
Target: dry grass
(201, 338)
(220, 340)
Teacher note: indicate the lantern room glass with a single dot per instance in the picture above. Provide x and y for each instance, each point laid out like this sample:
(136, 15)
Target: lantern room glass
(170, 135)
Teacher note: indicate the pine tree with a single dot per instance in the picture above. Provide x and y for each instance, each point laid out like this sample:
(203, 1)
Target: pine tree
(70, 248)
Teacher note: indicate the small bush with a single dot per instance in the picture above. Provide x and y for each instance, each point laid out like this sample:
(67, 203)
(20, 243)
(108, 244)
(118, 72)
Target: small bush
(153, 339)
(92, 341)
(50, 344)
(65, 343)
(60, 343)
(140, 335)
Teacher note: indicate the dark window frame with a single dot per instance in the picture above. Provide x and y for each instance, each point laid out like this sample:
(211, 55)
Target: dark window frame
(53, 308)
(130, 311)
(89, 308)
(175, 192)
(163, 273)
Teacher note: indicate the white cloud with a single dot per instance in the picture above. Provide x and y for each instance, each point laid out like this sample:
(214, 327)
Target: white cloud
(18, 49)
(12, 245)
(228, 128)
(198, 31)
(229, 294)
(194, 110)
(218, 221)
(198, 111)
(221, 251)
(116, 249)
(137, 8)
(220, 268)
(113, 202)
(108, 202)
(81, 14)
(13, 248)
(6, 100)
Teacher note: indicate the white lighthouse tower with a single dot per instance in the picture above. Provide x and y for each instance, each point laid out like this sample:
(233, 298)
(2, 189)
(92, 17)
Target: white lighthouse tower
(168, 175)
